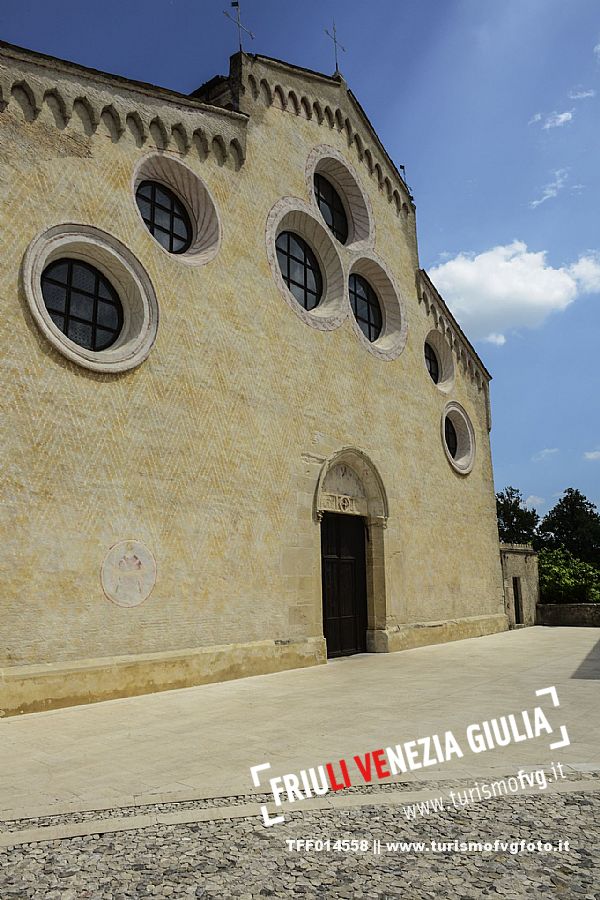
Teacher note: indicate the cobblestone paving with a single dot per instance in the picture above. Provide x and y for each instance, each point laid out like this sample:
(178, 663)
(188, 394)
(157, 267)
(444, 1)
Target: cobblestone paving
(242, 859)
(239, 800)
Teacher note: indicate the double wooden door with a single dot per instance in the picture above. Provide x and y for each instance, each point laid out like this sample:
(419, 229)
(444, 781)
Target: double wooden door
(344, 584)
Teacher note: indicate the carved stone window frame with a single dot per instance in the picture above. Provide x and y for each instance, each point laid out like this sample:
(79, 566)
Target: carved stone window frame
(464, 460)
(328, 161)
(126, 274)
(294, 215)
(190, 190)
(394, 330)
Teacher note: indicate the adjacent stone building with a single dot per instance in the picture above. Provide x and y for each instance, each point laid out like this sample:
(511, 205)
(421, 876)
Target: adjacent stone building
(521, 583)
(242, 431)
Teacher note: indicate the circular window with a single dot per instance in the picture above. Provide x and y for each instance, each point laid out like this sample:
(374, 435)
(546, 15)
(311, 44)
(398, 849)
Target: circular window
(300, 269)
(305, 263)
(439, 361)
(365, 306)
(451, 437)
(431, 361)
(82, 303)
(335, 190)
(177, 209)
(165, 216)
(331, 207)
(458, 438)
(378, 315)
(90, 297)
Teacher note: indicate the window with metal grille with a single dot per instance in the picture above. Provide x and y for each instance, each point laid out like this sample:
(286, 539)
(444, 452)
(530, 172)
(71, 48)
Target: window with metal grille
(433, 365)
(451, 438)
(366, 307)
(165, 216)
(82, 303)
(300, 269)
(331, 207)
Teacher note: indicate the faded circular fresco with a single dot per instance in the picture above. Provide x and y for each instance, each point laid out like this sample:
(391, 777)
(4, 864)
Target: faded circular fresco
(128, 573)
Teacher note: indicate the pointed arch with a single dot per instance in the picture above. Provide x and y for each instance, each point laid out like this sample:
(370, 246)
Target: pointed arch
(279, 100)
(306, 108)
(56, 105)
(350, 484)
(293, 102)
(266, 94)
(180, 138)
(236, 153)
(159, 134)
(253, 87)
(135, 127)
(358, 143)
(373, 504)
(112, 122)
(24, 96)
(218, 149)
(82, 109)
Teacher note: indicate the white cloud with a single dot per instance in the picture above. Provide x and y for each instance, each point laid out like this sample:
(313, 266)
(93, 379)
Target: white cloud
(553, 188)
(510, 287)
(544, 454)
(537, 117)
(592, 455)
(557, 120)
(597, 51)
(581, 94)
(586, 271)
(532, 500)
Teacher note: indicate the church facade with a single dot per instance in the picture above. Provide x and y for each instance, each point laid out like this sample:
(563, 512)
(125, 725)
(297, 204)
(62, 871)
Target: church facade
(242, 430)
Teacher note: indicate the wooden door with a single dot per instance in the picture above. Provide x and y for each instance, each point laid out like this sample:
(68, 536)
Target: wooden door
(344, 584)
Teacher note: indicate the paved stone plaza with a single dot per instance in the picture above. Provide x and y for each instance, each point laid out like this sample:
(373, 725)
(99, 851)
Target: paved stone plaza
(120, 799)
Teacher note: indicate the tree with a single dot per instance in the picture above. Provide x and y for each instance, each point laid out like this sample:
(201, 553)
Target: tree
(516, 523)
(565, 579)
(573, 524)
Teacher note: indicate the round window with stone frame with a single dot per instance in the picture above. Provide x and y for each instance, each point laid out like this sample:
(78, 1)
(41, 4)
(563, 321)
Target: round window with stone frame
(331, 207)
(305, 264)
(165, 216)
(458, 438)
(377, 309)
(82, 303)
(300, 269)
(337, 194)
(365, 306)
(90, 297)
(438, 360)
(177, 208)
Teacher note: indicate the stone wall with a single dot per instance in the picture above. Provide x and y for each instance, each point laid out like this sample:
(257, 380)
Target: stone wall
(586, 614)
(204, 461)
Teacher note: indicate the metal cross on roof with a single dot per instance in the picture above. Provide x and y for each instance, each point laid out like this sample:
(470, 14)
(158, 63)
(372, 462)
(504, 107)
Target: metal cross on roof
(336, 44)
(237, 21)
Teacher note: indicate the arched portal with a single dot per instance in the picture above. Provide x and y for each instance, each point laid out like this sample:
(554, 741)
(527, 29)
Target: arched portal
(352, 508)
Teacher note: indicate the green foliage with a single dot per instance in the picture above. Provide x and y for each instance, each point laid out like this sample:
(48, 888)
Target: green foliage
(574, 524)
(516, 523)
(566, 579)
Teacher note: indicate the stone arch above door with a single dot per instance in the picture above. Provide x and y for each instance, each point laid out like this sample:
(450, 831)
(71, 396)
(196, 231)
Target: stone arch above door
(350, 483)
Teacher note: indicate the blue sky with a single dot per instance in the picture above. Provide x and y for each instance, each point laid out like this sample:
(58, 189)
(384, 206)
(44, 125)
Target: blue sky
(493, 107)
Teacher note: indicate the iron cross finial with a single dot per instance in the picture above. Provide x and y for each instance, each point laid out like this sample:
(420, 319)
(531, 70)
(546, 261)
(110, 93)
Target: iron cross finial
(237, 21)
(336, 44)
